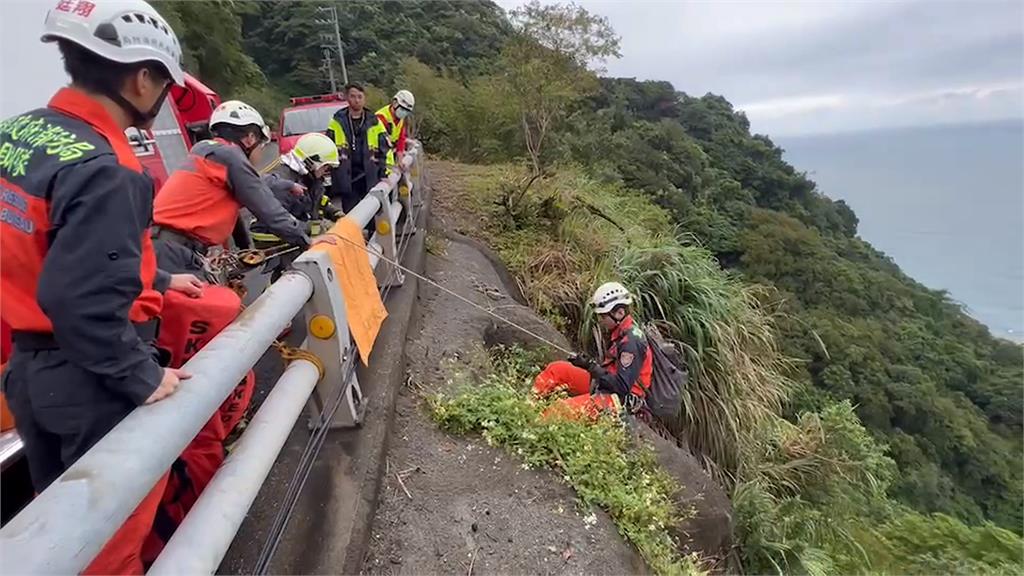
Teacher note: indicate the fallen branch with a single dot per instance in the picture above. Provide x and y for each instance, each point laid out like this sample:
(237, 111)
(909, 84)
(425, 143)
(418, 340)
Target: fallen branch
(402, 484)
(471, 561)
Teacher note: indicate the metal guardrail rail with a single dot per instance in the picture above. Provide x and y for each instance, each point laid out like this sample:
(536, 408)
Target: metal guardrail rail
(65, 526)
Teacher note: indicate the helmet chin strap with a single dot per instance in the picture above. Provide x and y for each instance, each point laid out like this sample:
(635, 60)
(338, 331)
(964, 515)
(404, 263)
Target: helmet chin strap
(618, 320)
(250, 149)
(138, 117)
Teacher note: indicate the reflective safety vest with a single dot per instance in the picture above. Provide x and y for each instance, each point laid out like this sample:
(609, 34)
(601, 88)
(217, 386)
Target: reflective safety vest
(358, 148)
(198, 200)
(389, 133)
(48, 148)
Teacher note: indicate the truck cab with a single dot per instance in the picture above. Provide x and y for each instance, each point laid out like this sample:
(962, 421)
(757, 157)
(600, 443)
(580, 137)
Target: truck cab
(307, 114)
(183, 120)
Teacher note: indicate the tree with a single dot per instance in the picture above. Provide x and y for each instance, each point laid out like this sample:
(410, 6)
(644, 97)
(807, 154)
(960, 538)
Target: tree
(210, 32)
(547, 67)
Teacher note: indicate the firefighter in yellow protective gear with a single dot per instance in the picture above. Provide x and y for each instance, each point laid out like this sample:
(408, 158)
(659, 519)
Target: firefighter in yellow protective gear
(298, 180)
(390, 133)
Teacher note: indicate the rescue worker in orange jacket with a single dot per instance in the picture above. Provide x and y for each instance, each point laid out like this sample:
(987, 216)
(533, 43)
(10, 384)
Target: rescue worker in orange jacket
(198, 207)
(79, 283)
(623, 377)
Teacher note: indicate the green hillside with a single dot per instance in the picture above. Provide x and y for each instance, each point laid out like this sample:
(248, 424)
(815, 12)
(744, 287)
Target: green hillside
(862, 421)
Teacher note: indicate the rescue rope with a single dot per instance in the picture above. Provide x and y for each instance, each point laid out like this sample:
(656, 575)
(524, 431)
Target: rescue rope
(311, 452)
(298, 481)
(273, 164)
(290, 353)
(456, 295)
(319, 432)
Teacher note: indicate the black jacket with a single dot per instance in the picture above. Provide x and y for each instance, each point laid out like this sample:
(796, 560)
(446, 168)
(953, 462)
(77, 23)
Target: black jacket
(354, 151)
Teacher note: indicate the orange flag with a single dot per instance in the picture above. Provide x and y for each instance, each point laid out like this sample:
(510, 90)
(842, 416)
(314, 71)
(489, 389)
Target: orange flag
(363, 306)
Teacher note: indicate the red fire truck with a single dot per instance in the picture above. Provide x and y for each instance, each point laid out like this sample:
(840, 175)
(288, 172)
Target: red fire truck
(307, 114)
(180, 124)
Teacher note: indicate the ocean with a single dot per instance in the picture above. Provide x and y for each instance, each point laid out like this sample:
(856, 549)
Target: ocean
(945, 202)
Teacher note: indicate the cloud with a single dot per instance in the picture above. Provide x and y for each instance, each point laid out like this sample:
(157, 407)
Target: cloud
(827, 112)
(796, 66)
(808, 66)
(782, 107)
(30, 71)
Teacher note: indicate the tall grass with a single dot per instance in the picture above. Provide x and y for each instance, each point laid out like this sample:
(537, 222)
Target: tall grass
(561, 249)
(810, 495)
(737, 381)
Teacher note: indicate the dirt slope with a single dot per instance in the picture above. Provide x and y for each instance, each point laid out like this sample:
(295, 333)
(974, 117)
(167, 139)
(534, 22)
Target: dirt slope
(462, 506)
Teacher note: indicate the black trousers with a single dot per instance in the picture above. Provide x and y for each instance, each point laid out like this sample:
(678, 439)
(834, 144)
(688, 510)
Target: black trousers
(60, 410)
(349, 201)
(176, 258)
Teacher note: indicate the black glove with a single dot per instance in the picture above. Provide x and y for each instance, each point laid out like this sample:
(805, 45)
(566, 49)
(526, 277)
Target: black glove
(581, 360)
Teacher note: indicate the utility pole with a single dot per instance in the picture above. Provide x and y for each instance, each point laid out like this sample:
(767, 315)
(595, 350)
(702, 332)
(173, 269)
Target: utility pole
(327, 64)
(332, 9)
(337, 39)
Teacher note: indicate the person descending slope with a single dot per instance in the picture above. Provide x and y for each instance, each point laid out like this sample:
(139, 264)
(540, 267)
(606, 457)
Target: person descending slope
(623, 377)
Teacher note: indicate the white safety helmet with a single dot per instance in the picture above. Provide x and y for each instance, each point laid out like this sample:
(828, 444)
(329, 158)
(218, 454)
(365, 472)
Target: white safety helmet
(405, 99)
(609, 295)
(238, 113)
(125, 31)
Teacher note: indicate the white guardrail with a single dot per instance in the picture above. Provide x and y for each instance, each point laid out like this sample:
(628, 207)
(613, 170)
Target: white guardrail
(65, 526)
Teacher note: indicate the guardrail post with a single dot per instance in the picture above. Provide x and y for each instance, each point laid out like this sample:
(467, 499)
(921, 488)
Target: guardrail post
(329, 339)
(406, 191)
(416, 175)
(385, 222)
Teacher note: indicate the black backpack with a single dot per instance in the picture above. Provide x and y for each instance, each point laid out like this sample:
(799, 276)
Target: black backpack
(669, 376)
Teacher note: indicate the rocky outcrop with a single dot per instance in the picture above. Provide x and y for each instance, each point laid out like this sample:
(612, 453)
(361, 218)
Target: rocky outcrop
(708, 530)
(503, 334)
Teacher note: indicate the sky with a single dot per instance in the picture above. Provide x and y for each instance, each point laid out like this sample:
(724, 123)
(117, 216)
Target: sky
(830, 66)
(793, 67)
(30, 71)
